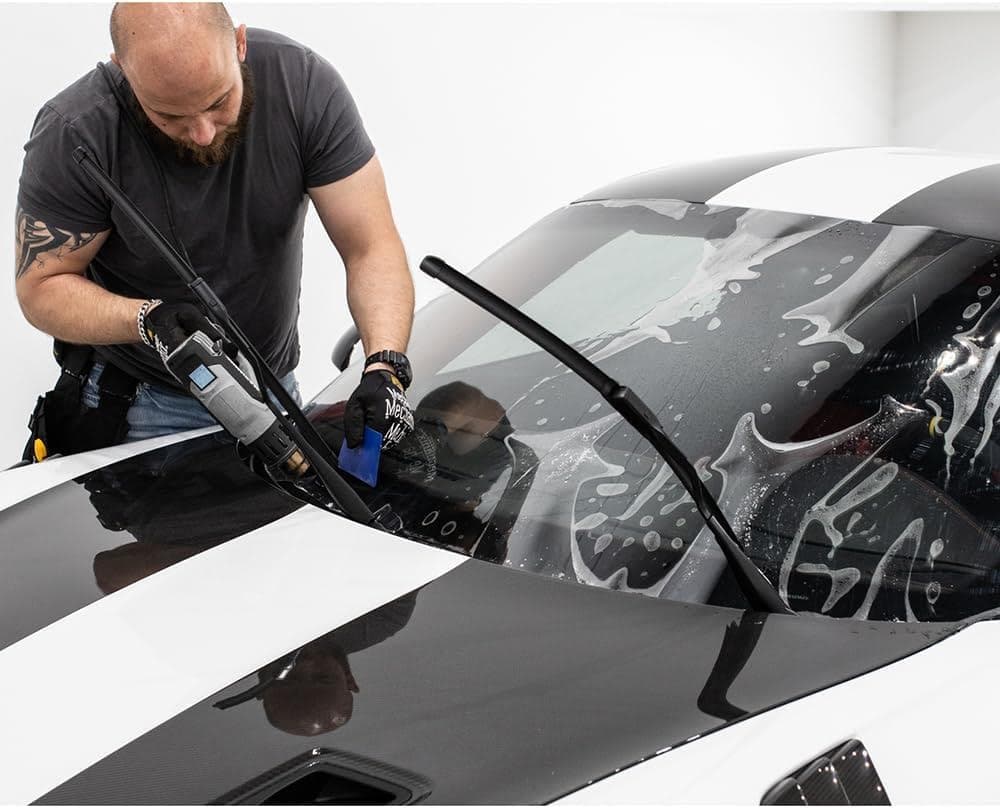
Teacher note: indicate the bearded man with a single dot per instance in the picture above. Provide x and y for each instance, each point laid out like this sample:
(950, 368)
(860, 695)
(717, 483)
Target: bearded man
(221, 135)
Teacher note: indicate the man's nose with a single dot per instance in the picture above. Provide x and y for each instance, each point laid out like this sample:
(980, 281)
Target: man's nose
(202, 131)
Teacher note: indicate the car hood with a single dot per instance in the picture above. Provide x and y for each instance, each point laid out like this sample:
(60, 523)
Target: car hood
(183, 633)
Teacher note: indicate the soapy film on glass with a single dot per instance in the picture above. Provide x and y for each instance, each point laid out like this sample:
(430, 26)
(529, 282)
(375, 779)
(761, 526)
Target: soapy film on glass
(833, 382)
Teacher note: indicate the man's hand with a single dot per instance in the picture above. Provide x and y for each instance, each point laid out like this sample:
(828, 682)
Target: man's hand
(380, 403)
(169, 324)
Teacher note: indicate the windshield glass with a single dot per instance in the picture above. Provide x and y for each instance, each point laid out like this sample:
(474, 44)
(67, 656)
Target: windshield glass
(832, 381)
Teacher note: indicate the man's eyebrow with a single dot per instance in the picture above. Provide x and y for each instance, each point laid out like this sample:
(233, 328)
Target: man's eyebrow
(211, 106)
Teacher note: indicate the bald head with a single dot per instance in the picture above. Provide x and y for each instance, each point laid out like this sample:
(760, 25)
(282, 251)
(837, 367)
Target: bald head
(185, 65)
(159, 23)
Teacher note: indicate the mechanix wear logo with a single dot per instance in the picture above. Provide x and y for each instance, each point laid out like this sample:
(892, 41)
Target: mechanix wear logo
(398, 415)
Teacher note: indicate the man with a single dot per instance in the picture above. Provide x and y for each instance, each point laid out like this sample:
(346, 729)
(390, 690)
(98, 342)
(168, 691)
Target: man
(219, 134)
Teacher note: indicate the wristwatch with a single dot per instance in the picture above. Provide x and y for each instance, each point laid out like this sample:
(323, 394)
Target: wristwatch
(400, 365)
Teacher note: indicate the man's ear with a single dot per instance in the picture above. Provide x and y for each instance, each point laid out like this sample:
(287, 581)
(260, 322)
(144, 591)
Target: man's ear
(241, 42)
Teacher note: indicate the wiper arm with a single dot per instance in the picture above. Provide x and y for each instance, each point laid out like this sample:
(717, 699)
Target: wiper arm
(296, 426)
(757, 589)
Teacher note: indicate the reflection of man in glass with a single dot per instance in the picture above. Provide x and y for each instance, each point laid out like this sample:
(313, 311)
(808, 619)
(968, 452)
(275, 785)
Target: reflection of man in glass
(472, 473)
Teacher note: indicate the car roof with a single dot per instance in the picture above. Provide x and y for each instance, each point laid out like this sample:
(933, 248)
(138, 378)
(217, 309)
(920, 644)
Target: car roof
(955, 192)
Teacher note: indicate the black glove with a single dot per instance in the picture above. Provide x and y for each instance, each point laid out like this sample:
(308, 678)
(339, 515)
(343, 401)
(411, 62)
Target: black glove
(169, 324)
(378, 402)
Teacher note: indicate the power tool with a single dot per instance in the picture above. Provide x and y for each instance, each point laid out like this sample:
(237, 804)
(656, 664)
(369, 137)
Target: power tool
(226, 390)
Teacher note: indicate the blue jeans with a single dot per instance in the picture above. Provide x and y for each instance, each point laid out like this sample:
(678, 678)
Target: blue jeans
(160, 411)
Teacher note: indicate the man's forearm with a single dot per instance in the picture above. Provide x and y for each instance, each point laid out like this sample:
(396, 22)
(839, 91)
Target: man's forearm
(74, 309)
(380, 297)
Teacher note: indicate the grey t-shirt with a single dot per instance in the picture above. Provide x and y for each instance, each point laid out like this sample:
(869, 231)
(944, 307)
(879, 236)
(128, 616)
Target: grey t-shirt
(241, 222)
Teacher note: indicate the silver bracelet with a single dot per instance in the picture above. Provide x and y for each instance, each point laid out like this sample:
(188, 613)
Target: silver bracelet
(140, 320)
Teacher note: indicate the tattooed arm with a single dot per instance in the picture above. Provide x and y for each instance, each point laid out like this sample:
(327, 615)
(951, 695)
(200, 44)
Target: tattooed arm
(56, 298)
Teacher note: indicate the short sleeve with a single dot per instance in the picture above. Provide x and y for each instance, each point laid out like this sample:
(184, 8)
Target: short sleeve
(53, 188)
(335, 143)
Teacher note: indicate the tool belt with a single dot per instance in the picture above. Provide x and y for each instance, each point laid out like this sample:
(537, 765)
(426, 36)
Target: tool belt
(62, 424)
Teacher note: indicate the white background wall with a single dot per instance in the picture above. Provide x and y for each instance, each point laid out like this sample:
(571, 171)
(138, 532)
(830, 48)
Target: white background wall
(948, 81)
(486, 117)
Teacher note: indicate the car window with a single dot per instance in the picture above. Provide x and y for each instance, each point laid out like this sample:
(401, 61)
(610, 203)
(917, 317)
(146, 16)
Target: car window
(834, 382)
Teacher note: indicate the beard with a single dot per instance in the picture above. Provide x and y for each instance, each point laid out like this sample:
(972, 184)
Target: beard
(225, 142)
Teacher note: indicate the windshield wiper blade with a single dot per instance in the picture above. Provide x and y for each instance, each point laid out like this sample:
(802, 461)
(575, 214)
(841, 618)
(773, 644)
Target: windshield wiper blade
(756, 587)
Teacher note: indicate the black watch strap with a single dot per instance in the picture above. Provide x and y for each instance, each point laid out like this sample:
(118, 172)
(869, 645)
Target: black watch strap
(400, 364)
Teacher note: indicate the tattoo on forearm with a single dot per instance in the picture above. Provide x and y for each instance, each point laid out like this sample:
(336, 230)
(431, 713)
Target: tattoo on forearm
(35, 239)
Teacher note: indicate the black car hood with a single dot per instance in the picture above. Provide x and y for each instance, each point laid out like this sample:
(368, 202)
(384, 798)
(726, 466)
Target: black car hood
(486, 685)
(503, 687)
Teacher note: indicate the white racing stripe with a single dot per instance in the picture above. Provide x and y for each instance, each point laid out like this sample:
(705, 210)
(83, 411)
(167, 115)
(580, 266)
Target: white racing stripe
(18, 484)
(857, 184)
(95, 680)
(927, 721)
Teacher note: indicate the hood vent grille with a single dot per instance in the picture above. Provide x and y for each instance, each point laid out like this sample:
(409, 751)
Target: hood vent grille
(330, 777)
(842, 776)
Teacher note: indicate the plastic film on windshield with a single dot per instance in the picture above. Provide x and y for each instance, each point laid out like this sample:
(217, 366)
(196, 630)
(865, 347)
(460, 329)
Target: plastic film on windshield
(833, 382)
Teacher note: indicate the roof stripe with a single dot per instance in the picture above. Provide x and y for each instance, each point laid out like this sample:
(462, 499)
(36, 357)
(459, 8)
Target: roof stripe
(858, 184)
(170, 640)
(966, 203)
(696, 182)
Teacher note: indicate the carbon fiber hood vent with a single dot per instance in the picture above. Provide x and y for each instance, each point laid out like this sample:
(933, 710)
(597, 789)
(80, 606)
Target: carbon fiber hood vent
(843, 776)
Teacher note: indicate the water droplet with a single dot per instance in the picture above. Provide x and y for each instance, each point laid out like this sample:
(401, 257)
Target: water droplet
(591, 521)
(542, 421)
(661, 497)
(714, 323)
(595, 408)
(602, 542)
(765, 408)
(983, 291)
(676, 544)
(822, 279)
(971, 311)
(651, 541)
(847, 259)
(678, 416)
(933, 592)
(592, 500)
(540, 401)
(628, 542)
(781, 334)
(646, 521)
(803, 382)
(937, 547)
(767, 369)
(611, 489)
(448, 528)
(431, 517)
(820, 366)
(681, 522)
(735, 288)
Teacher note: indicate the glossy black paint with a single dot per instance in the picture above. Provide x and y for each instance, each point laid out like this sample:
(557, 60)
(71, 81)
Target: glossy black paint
(696, 182)
(508, 687)
(966, 203)
(67, 547)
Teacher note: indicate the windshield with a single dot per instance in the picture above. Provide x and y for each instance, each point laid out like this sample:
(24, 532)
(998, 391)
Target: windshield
(832, 381)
